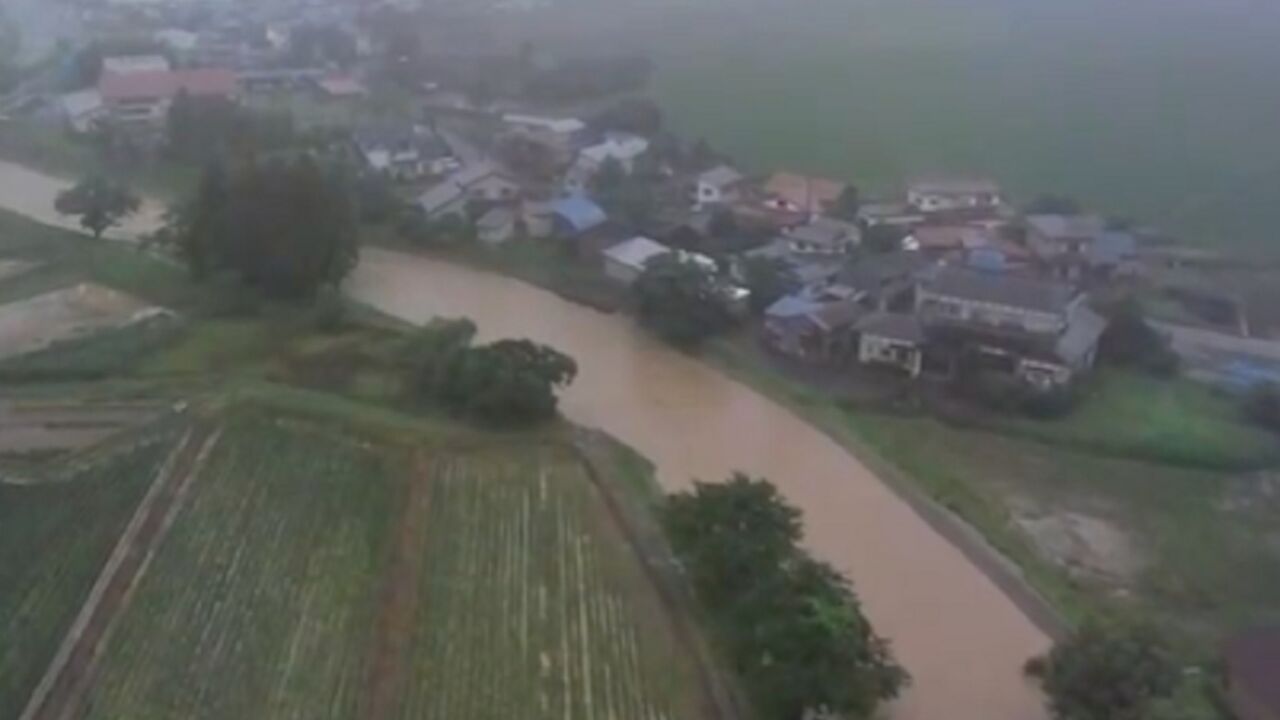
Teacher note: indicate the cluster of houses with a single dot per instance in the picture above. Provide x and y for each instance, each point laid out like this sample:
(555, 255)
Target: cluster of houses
(969, 281)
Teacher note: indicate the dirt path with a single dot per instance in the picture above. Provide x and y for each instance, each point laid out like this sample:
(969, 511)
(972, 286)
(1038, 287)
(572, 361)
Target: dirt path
(398, 600)
(61, 691)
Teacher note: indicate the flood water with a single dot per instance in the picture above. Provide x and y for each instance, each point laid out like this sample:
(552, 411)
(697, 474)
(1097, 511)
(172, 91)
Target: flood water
(962, 639)
(32, 193)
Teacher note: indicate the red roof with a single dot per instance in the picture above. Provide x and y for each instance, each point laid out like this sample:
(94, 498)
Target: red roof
(204, 82)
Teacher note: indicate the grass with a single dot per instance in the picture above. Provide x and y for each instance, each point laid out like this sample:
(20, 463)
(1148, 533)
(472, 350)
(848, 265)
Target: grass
(54, 539)
(1175, 421)
(265, 589)
(1209, 554)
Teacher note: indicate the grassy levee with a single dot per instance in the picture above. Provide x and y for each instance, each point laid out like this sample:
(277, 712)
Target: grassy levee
(54, 538)
(1201, 540)
(263, 588)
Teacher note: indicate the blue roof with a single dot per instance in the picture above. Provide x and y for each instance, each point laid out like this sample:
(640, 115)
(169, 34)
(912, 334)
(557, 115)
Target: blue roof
(1111, 247)
(581, 214)
(988, 260)
(791, 306)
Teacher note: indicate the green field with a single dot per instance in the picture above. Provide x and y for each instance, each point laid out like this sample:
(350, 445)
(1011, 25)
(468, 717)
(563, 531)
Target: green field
(264, 591)
(275, 589)
(54, 538)
(1174, 421)
(1160, 111)
(531, 607)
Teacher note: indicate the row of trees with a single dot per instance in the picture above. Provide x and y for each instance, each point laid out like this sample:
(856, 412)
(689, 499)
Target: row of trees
(790, 625)
(507, 383)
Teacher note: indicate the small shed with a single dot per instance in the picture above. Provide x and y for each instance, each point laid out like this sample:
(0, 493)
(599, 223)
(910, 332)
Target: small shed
(496, 226)
(625, 261)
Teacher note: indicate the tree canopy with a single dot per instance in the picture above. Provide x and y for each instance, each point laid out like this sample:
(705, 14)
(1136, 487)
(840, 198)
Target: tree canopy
(768, 279)
(505, 383)
(200, 130)
(681, 300)
(1130, 341)
(99, 202)
(792, 625)
(286, 227)
(1108, 672)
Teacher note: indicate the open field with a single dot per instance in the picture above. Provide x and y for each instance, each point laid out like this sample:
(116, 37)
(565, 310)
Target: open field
(38, 427)
(54, 539)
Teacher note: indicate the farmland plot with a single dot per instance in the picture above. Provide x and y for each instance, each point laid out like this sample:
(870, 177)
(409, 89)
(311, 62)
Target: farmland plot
(54, 539)
(260, 601)
(531, 606)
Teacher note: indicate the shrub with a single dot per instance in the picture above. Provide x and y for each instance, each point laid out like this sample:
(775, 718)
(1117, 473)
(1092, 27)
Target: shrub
(1262, 406)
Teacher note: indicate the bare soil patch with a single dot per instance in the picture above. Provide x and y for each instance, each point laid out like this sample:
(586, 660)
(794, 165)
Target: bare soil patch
(37, 427)
(1084, 545)
(398, 601)
(13, 268)
(36, 323)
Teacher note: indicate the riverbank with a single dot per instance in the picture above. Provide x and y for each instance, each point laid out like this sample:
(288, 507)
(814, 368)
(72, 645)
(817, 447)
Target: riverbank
(1070, 518)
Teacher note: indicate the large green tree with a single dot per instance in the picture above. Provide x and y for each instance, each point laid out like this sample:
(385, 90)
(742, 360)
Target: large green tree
(1108, 672)
(286, 227)
(99, 202)
(768, 279)
(681, 300)
(792, 626)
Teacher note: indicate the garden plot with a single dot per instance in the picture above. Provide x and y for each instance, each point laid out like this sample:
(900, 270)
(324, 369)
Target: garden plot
(68, 314)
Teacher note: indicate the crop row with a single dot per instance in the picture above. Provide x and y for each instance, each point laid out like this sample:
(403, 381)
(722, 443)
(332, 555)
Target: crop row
(54, 540)
(260, 601)
(523, 610)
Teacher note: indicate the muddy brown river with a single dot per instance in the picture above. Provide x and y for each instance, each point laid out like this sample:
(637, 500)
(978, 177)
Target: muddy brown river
(962, 639)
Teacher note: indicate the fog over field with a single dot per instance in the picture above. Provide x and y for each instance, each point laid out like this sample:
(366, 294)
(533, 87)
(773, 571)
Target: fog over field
(1162, 111)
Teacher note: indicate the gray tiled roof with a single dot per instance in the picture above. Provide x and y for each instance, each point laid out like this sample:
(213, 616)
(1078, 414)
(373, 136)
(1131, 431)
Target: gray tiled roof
(1001, 289)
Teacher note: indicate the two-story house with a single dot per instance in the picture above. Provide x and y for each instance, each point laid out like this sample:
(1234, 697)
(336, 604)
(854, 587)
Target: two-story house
(938, 195)
(718, 186)
(143, 99)
(1040, 331)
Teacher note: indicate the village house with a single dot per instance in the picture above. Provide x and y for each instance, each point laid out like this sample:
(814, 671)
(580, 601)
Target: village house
(562, 136)
(341, 87)
(894, 214)
(811, 329)
(403, 152)
(822, 236)
(626, 261)
(717, 186)
(937, 195)
(481, 183)
(1252, 661)
(623, 148)
(1062, 243)
(143, 98)
(801, 195)
(498, 226)
(891, 339)
(130, 64)
(948, 239)
(1040, 331)
(575, 215)
(81, 110)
